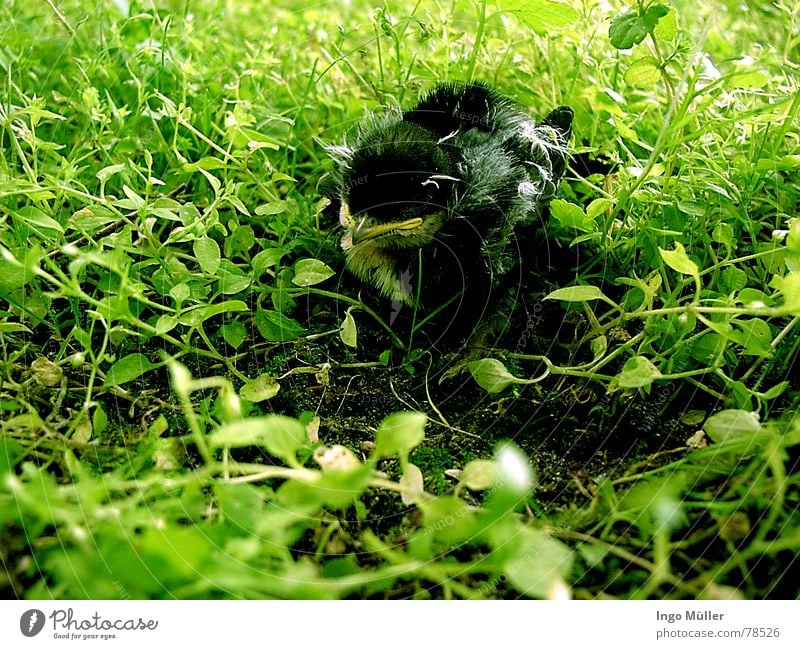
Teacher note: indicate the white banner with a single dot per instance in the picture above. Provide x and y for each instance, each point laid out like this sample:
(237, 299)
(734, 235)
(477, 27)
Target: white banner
(398, 624)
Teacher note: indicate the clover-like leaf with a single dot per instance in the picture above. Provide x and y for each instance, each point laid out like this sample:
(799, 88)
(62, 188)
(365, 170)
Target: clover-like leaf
(730, 424)
(492, 375)
(127, 369)
(637, 372)
(308, 272)
(399, 433)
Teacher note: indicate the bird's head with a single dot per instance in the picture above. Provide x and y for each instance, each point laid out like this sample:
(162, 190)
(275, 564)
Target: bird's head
(396, 188)
(395, 192)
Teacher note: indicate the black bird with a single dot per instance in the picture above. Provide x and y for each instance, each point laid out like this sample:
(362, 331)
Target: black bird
(433, 198)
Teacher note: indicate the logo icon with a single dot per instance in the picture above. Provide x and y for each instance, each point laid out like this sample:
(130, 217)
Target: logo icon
(31, 622)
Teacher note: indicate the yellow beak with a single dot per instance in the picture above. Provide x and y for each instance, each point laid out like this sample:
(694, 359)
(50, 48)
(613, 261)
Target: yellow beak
(363, 231)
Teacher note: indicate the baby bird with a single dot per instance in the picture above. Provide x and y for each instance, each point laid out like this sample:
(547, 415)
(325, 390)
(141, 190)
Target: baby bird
(433, 198)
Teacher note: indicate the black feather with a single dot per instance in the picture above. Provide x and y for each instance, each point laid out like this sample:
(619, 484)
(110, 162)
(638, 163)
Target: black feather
(474, 167)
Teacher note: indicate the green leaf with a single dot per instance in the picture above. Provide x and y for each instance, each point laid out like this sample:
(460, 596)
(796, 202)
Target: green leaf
(637, 372)
(667, 27)
(730, 424)
(479, 475)
(543, 16)
(449, 519)
(733, 279)
(206, 251)
(723, 233)
(626, 30)
(348, 332)
(539, 565)
(268, 209)
(749, 80)
(580, 293)
(643, 73)
(260, 389)
(754, 335)
(234, 333)
(127, 369)
(776, 390)
(653, 15)
(630, 28)
(598, 206)
(106, 172)
(571, 216)
(492, 375)
(598, 346)
(678, 260)
(136, 200)
(232, 279)
(37, 220)
(790, 287)
(276, 327)
(412, 484)
(399, 433)
(281, 436)
(309, 272)
(266, 259)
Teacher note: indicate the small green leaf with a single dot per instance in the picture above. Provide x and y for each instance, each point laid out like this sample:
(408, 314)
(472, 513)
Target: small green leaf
(449, 519)
(106, 172)
(543, 16)
(266, 259)
(492, 375)
(399, 433)
(678, 260)
(598, 346)
(643, 73)
(630, 28)
(165, 324)
(412, 484)
(581, 293)
(206, 251)
(790, 287)
(276, 327)
(133, 197)
(750, 79)
(776, 390)
(260, 389)
(755, 335)
(637, 372)
(309, 272)
(99, 420)
(571, 216)
(479, 475)
(348, 332)
(723, 233)
(281, 436)
(667, 27)
(36, 219)
(730, 424)
(626, 30)
(127, 369)
(598, 206)
(234, 333)
(539, 565)
(268, 209)
(232, 279)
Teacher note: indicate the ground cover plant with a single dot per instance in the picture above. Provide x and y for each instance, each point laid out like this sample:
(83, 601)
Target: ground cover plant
(197, 400)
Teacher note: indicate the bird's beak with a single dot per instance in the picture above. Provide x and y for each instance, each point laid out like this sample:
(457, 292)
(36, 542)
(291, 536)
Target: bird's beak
(364, 230)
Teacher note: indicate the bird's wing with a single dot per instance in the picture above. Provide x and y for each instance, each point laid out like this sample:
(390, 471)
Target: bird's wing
(456, 107)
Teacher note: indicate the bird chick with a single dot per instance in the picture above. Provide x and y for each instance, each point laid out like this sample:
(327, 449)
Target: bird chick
(443, 188)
